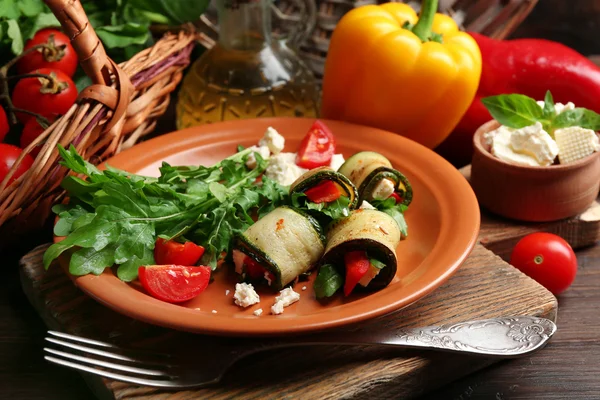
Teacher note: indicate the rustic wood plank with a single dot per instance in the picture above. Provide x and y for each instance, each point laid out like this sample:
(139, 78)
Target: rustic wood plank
(484, 287)
(500, 235)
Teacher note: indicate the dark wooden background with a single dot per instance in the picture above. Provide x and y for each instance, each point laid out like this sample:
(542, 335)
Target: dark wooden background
(569, 368)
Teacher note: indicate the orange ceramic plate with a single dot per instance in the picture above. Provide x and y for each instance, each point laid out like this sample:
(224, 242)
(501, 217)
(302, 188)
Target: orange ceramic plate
(443, 222)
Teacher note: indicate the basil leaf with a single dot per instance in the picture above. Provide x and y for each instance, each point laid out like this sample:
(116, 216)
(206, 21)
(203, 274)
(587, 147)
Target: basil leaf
(31, 8)
(514, 110)
(582, 117)
(376, 263)
(123, 35)
(177, 11)
(549, 110)
(14, 32)
(328, 281)
(9, 9)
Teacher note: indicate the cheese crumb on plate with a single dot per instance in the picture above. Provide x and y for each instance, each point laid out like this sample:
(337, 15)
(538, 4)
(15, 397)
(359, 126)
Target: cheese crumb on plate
(286, 297)
(245, 295)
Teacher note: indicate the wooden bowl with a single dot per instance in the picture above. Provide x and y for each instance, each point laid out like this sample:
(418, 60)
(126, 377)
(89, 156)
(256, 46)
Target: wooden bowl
(536, 194)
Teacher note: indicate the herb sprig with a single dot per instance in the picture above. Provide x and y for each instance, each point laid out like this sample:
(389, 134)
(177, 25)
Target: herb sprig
(114, 217)
(518, 111)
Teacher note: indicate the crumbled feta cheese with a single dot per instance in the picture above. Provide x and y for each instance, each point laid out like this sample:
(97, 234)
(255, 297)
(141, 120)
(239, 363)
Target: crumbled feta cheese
(530, 146)
(336, 161)
(575, 143)
(303, 288)
(366, 205)
(238, 261)
(273, 141)
(286, 297)
(227, 292)
(262, 150)
(559, 107)
(214, 311)
(372, 272)
(383, 190)
(267, 278)
(258, 312)
(245, 295)
(283, 169)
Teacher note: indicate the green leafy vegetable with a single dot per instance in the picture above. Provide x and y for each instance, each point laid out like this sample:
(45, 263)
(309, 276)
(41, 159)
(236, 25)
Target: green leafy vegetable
(518, 111)
(376, 263)
(115, 217)
(328, 281)
(333, 210)
(396, 211)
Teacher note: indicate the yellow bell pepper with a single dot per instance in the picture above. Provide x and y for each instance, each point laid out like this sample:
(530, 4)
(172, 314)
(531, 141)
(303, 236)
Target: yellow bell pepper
(391, 69)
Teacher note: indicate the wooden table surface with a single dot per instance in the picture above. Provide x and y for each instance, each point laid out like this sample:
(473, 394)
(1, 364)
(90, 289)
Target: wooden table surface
(569, 367)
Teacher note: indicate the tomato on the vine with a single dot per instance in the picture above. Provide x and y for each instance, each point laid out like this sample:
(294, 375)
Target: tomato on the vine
(8, 156)
(58, 55)
(31, 131)
(546, 258)
(4, 127)
(48, 97)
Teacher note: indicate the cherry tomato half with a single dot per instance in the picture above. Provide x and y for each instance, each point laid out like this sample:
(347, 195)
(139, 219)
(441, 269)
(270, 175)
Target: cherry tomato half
(59, 55)
(172, 252)
(174, 283)
(8, 156)
(317, 147)
(325, 192)
(4, 127)
(48, 97)
(546, 258)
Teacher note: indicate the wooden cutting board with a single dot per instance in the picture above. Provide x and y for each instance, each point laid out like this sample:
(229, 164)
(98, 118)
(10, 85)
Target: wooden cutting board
(484, 287)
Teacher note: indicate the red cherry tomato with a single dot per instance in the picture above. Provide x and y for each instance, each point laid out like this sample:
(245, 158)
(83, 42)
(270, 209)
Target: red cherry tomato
(546, 258)
(397, 197)
(174, 283)
(8, 156)
(324, 192)
(172, 252)
(317, 147)
(31, 131)
(357, 265)
(48, 97)
(59, 55)
(4, 127)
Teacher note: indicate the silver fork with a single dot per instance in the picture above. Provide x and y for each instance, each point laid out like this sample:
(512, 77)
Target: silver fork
(498, 337)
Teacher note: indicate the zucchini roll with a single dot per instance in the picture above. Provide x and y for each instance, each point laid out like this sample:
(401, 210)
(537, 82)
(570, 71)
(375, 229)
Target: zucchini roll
(362, 250)
(375, 178)
(279, 247)
(325, 191)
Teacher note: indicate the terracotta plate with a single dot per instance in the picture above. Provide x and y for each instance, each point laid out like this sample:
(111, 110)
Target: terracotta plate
(443, 222)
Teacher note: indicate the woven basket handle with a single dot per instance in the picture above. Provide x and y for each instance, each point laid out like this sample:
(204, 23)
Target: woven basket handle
(111, 86)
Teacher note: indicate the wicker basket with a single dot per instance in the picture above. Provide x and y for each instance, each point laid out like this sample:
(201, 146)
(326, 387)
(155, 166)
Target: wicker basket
(494, 18)
(120, 107)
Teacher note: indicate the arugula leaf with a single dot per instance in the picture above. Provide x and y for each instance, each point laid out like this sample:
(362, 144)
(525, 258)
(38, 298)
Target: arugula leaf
(14, 32)
(394, 210)
(582, 117)
(9, 9)
(177, 12)
(68, 216)
(514, 110)
(334, 210)
(328, 281)
(91, 261)
(376, 263)
(128, 271)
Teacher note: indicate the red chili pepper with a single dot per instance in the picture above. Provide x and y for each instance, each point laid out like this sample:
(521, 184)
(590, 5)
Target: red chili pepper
(324, 192)
(357, 265)
(256, 271)
(526, 66)
(397, 197)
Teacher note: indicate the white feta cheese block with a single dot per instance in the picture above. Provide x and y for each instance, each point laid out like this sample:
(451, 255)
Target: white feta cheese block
(530, 146)
(258, 312)
(575, 143)
(262, 150)
(336, 161)
(384, 189)
(272, 140)
(283, 169)
(245, 295)
(366, 205)
(286, 297)
(559, 107)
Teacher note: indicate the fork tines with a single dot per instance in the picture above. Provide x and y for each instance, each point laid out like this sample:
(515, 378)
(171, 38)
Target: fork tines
(139, 367)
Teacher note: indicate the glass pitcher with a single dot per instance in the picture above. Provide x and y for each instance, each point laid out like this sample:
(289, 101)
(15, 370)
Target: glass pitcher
(248, 73)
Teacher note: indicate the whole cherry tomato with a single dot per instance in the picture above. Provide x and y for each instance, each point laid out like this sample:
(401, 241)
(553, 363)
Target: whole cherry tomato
(172, 252)
(174, 283)
(8, 156)
(4, 127)
(317, 147)
(31, 131)
(59, 54)
(546, 258)
(48, 97)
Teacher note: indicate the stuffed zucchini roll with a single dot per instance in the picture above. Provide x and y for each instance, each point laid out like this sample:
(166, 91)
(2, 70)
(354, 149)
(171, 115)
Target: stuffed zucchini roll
(360, 251)
(324, 191)
(375, 178)
(279, 247)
